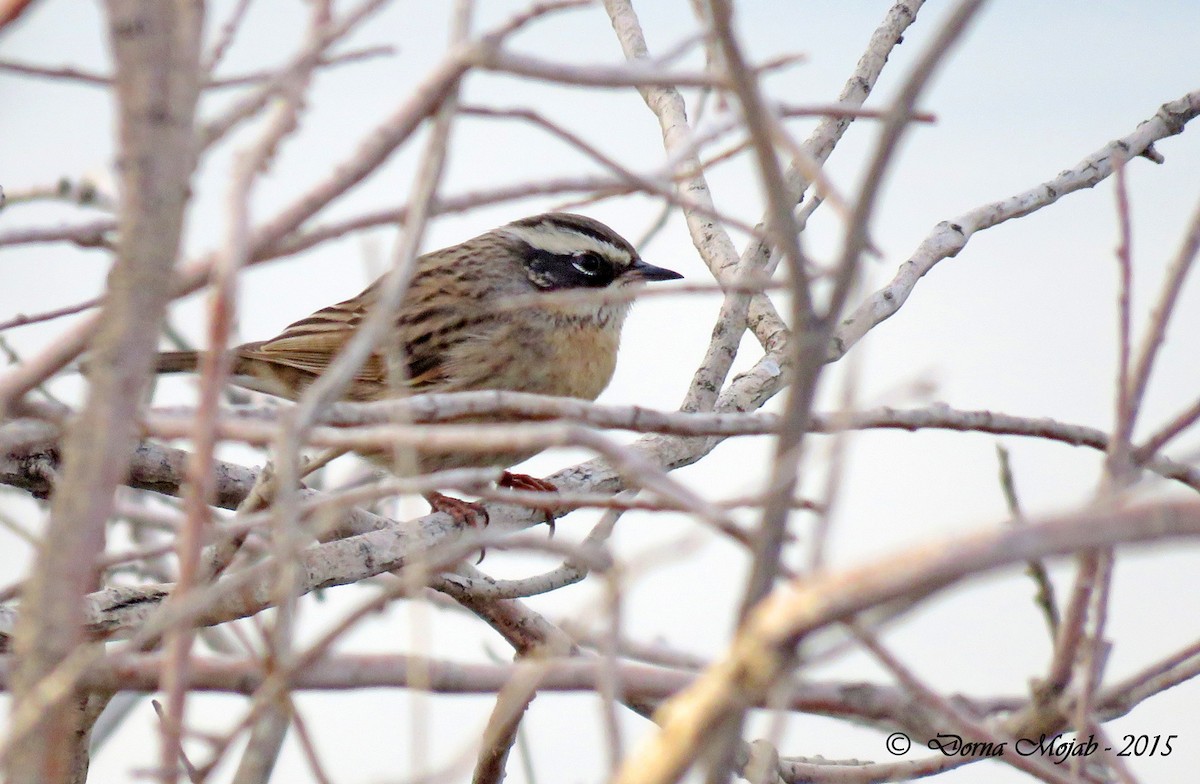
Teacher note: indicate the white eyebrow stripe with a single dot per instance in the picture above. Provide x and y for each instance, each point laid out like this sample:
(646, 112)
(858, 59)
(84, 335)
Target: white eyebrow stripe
(564, 242)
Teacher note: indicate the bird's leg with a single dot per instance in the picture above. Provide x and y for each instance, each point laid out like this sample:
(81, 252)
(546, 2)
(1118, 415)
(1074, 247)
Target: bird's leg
(526, 482)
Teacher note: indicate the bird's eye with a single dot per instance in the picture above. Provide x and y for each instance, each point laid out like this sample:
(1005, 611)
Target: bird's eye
(589, 264)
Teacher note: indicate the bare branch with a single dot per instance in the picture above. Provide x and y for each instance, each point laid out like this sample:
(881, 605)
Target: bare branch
(87, 235)
(759, 654)
(949, 237)
(156, 48)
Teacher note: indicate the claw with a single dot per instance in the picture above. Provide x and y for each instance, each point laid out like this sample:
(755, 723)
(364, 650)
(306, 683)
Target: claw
(527, 482)
(463, 512)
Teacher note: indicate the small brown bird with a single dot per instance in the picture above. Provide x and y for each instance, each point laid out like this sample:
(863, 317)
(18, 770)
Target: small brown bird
(459, 330)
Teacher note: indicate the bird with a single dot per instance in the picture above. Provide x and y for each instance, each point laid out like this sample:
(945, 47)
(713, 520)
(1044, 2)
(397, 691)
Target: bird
(458, 329)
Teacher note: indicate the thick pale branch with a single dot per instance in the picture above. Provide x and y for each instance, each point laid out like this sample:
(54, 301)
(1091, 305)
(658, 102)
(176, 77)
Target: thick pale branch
(339, 672)
(756, 660)
(28, 454)
(757, 313)
(160, 468)
(950, 237)
(156, 48)
(710, 238)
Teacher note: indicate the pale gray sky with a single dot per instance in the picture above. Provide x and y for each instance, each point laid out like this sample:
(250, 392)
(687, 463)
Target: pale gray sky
(1022, 322)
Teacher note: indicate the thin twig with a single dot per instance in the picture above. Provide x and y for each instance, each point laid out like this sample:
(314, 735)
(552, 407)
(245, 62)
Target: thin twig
(1044, 597)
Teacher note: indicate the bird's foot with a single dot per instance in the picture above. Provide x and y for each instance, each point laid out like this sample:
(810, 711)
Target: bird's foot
(526, 482)
(463, 512)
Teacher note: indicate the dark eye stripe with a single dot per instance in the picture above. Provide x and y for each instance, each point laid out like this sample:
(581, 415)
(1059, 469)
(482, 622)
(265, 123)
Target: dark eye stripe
(555, 271)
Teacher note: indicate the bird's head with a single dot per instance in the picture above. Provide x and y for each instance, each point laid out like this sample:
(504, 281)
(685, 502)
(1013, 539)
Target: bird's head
(567, 251)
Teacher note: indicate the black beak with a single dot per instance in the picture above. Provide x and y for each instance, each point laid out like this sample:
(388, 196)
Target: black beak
(650, 272)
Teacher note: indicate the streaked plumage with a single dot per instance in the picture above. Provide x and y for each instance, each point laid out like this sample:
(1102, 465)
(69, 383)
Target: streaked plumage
(458, 329)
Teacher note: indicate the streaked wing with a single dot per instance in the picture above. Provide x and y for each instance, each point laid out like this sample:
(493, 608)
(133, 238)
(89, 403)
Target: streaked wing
(310, 344)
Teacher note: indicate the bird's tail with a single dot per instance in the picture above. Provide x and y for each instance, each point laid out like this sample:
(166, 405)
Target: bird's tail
(177, 362)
